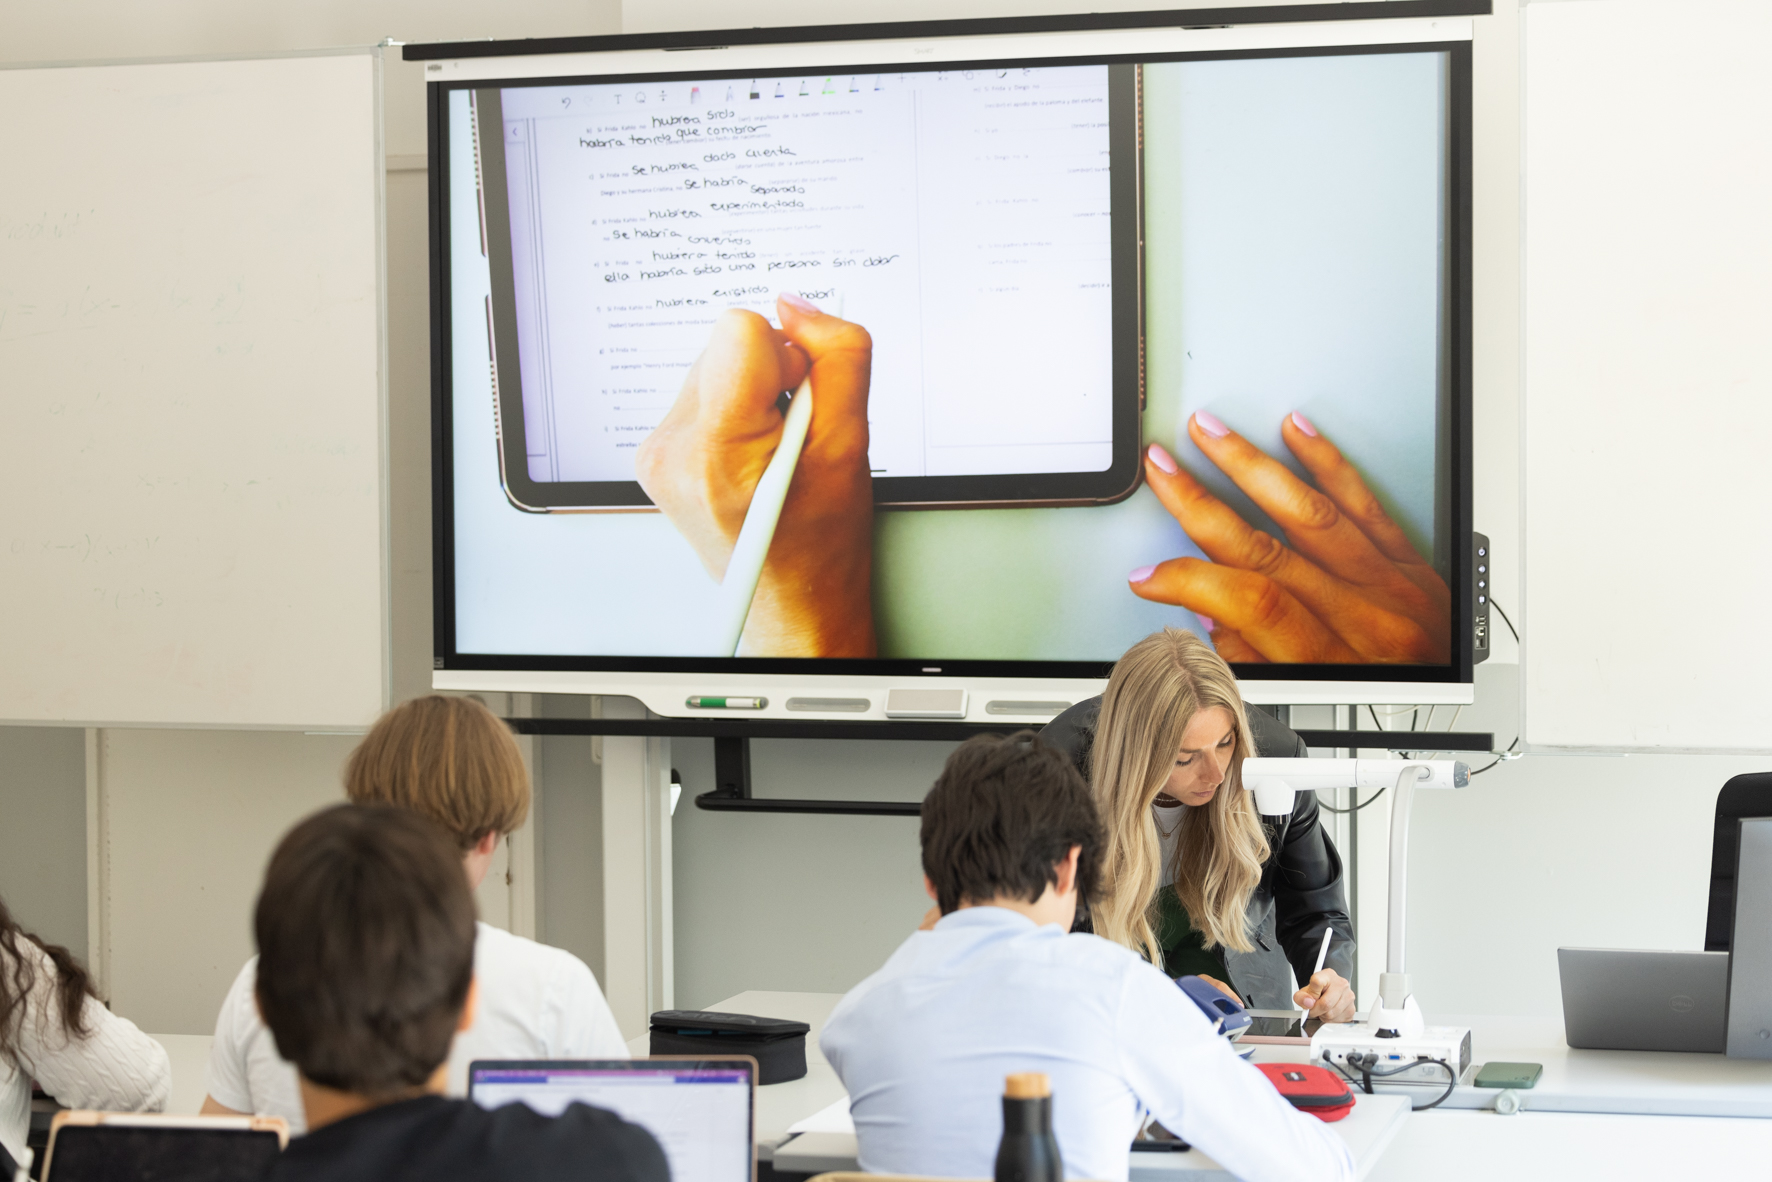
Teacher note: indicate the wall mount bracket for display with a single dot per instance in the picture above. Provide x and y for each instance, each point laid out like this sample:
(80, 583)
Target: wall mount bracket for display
(732, 750)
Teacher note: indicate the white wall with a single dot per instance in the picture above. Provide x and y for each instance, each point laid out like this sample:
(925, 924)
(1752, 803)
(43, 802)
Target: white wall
(188, 818)
(195, 813)
(797, 901)
(43, 831)
(1538, 852)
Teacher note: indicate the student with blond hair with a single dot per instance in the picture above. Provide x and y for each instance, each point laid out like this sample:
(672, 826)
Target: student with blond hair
(452, 760)
(366, 973)
(1193, 878)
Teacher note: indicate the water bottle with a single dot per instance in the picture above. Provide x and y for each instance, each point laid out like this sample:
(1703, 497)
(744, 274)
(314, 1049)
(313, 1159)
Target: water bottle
(1028, 1151)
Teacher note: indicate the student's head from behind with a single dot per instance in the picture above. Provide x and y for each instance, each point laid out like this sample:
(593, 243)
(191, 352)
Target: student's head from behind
(365, 931)
(1010, 821)
(450, 759)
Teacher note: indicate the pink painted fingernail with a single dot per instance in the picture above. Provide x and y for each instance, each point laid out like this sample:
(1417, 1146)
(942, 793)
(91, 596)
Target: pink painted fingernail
(1209, 423)
(1207, 622)
(1141, 574)
(1161, 458)
(1303, 424)
(794, 301)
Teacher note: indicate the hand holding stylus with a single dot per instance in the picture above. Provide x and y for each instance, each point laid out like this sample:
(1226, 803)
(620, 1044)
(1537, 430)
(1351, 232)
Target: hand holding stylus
(1328, 995)
(702, 464)
(1344, 587)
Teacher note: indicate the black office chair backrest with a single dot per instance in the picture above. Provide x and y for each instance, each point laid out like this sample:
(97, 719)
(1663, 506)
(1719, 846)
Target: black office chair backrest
(1743, 796)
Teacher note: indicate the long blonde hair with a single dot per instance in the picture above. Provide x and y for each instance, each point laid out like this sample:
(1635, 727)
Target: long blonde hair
(1156, 689)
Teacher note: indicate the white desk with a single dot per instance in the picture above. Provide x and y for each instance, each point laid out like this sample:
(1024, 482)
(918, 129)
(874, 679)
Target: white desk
(780, 1105)
(190, 1067)
(1618, 1115)
(1368, 1129)
(1657, 1083)
(1470, 1146)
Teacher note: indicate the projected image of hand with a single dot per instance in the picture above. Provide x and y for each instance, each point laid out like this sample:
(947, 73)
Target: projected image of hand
(702, 463)
(1345, 586)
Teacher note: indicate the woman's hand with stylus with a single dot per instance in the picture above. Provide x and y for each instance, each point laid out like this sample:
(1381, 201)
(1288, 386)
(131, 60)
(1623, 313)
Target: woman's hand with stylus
(702, 463)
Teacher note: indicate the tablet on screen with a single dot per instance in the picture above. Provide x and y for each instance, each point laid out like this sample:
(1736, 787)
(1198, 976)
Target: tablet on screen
(982, 224)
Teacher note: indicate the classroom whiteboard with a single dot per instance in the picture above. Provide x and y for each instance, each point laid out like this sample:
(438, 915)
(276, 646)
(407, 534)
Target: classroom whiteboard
(1647, 375)
(191, 393)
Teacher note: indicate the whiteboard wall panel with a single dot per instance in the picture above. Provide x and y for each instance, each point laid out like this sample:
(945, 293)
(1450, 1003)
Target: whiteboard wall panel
(191, 393)
(1647, 389)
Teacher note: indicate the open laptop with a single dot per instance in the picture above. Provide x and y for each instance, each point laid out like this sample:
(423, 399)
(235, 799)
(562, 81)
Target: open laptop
(703, 1111)
(1624, 1000)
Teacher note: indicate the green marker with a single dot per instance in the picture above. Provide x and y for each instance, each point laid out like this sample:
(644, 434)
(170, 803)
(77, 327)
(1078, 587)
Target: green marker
(707, 703)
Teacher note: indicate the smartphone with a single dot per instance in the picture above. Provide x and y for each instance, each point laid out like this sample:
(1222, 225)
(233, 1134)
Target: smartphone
(1509, 1075)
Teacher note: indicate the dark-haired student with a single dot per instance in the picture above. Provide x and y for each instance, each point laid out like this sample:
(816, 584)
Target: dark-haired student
(365, 933)
(1010, 843)
(54, 1029)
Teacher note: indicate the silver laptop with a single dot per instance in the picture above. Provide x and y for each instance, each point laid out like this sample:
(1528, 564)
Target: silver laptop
(1622, 1000)
(702, 1110)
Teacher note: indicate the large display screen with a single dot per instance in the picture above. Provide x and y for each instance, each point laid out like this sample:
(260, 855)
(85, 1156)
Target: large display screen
(1092, 347)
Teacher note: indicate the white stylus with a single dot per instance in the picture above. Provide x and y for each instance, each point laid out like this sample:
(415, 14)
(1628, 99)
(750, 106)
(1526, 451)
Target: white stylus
(1323, 952)
(746, 564)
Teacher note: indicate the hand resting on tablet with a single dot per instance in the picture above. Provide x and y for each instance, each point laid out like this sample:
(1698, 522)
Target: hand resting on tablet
(1345, 587)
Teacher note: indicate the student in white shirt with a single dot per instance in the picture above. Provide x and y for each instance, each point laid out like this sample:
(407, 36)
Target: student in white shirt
(53, 1029)
(1011, 841)
(452, 760)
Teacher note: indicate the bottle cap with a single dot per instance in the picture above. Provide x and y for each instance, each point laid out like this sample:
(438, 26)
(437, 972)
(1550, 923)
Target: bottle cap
(1027, 1085)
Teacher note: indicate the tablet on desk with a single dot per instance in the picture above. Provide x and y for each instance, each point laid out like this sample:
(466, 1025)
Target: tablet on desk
(89, 1146)
(981, 225)
(1280, 1027)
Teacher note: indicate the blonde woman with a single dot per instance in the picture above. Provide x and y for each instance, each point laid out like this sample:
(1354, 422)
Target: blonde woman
(1192, 877)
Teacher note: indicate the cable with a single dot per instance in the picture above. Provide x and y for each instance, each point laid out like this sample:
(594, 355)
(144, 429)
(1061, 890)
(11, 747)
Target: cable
(1502, 758)
(1369, 1061)
(1505, 620)
(1329, 808)
(1509, 752)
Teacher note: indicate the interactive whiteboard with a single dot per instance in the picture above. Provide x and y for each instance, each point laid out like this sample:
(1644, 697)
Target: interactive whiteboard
(191, 393)
(1647, 404)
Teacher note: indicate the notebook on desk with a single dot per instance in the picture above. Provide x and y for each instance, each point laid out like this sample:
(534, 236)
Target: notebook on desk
(1617, 999)
(702, 1111)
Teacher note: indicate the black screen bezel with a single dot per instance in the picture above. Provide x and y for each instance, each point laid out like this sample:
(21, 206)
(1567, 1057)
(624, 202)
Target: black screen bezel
(1114, 483)
(1454, 436)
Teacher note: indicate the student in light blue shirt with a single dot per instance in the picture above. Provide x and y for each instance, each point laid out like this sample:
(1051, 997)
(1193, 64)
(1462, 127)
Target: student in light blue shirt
(1010, 843)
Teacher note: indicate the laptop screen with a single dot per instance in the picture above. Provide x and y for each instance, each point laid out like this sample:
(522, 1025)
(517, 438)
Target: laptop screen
(699, 1109)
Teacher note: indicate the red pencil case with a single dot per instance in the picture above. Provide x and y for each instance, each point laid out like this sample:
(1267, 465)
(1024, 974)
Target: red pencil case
(1310, 1088)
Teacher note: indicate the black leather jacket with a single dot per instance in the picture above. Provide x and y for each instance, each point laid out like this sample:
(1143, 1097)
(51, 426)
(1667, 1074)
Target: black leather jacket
(1301, 890)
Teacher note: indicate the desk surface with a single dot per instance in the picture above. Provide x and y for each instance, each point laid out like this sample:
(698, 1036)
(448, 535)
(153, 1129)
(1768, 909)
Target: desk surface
(1653, 1083)
(1368, 1129)
(780, 1105)
(190, 1067)
(1634, 1083)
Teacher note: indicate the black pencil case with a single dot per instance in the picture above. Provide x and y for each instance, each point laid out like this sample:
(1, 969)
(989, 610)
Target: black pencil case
(778, 1046)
